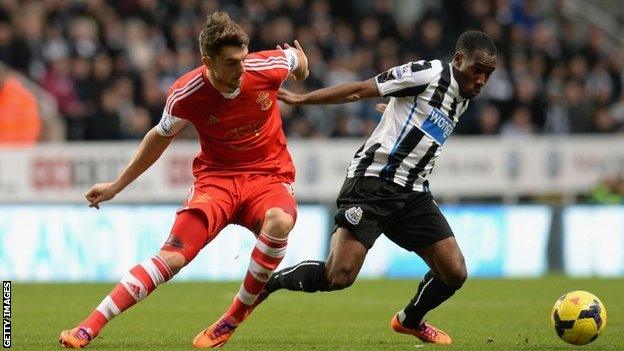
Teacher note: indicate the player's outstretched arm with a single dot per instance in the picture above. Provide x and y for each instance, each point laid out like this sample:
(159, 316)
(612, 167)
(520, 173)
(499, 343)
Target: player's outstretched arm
(152, 146)
(338, 94)
(302, 71)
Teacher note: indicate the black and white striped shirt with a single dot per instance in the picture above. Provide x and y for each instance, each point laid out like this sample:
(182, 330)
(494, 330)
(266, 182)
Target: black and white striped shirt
(424, 108)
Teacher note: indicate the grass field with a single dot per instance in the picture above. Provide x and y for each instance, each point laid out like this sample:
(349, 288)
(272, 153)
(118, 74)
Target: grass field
(484, 315)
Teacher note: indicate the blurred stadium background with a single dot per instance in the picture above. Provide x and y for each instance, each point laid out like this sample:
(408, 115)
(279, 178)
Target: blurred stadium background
(532, 181)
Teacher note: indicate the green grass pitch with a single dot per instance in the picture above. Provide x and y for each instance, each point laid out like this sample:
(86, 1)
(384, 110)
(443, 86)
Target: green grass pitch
(484, 315)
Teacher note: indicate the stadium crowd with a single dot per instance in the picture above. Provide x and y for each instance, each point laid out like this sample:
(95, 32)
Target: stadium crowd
(109, 64)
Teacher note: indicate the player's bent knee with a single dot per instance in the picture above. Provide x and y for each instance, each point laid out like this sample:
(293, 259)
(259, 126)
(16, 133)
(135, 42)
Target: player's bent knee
(456, 276)
(277, 222)
(174, 260)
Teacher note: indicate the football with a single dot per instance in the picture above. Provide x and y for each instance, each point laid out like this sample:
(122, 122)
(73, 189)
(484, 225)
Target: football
(578, 317)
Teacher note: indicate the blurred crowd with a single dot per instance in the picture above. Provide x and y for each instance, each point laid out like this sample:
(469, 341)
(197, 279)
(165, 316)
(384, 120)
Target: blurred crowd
(109, 64)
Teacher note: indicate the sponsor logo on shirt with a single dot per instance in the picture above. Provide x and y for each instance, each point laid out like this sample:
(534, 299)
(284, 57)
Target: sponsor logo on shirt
(166, 123)
(438, 126)
(291, 61)
(264, 100)
(244, 130)
(403, 71)
(354, 215)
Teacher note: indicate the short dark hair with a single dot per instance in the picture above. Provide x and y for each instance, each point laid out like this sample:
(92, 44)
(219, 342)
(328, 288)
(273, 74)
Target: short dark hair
(219, 31)
(475, 40)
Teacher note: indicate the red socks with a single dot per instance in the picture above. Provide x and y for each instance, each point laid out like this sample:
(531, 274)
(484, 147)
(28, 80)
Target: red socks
(265, 257)
(139, 282)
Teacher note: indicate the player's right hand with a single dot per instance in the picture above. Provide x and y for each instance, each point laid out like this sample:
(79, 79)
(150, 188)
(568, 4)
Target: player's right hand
(100, 192)
(289, 97)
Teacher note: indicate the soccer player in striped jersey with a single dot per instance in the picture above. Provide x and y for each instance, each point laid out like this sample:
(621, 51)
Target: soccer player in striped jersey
(243, 173)
(386, 190)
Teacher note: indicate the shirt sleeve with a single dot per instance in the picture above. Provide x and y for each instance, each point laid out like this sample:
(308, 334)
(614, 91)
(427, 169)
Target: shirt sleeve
(293, 60)
(409, 79)
(170, 125)
(273, 65)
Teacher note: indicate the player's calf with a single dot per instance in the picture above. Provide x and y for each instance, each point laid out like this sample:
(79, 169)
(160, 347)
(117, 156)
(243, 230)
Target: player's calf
(307, 276)
(265, 257)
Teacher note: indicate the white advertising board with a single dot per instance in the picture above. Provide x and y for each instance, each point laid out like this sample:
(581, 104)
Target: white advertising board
(76, 243)
(467, 166)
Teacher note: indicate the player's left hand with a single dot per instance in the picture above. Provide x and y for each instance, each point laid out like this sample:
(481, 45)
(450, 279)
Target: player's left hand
(289, 97)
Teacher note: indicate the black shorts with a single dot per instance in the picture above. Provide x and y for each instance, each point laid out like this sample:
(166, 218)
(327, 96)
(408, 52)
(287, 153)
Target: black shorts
(370, 206)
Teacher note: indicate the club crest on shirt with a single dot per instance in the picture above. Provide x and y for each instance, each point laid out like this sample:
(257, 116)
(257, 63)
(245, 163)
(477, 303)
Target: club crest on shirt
(264, 100)
(354, 215)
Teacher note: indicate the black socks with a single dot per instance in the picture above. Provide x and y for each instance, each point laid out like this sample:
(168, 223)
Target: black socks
(431, 293)
(308, 276)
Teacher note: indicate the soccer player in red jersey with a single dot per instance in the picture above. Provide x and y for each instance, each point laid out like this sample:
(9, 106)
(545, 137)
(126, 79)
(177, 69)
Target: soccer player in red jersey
(243, 173)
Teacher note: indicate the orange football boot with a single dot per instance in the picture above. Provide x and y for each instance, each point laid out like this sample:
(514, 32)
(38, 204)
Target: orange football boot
(425, 332)
(76, 338)
(216, 335)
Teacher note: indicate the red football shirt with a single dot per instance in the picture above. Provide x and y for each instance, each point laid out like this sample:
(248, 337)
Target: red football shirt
(241, 132)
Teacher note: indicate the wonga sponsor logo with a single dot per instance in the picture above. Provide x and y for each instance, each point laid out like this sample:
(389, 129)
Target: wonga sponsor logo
(438, 126)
